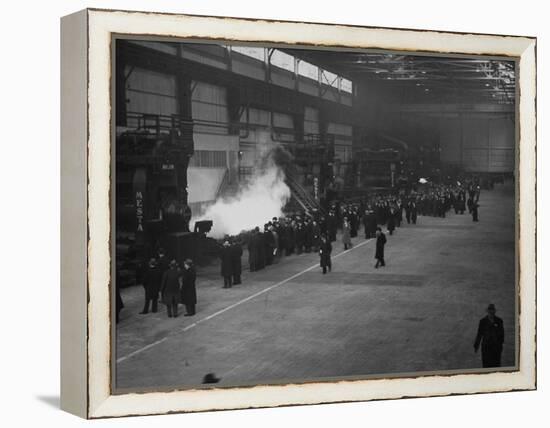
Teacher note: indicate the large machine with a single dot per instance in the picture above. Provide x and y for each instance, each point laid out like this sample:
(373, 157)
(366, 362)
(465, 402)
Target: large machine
(377, 168)
(152, 212)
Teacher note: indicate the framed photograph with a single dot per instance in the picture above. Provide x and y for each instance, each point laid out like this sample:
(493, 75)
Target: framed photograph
(262, 213)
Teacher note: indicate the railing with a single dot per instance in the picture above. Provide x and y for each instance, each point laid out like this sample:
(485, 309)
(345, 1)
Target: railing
(300, 194)
(158, 123)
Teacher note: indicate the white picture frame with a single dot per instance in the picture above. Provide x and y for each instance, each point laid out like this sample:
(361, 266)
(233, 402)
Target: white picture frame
(87, 63)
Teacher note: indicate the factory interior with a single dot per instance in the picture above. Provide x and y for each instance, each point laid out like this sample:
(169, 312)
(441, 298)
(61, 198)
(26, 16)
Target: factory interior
(214, 140)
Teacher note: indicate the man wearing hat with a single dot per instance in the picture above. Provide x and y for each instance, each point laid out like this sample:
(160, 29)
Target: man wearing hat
(151, 284)
(490, 334)
(380, 242)
(325, 250)
(170, 289)
(236, 263)
(188, 288)
(269, 243)
(226, 256)
(332, 225)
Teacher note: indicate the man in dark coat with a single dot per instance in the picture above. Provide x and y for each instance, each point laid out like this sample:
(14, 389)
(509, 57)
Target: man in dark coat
(226, 256)
(162, 261)
(475, 212)
(365, 221)
(188, 288)
(490, 334)
(441, 207)
(170, 289)
(332, 225)
(325, 251)
(151, 284)
(315, 235)
(391, 221)
(236, 263)
(414, 212)
(399, 214)
(253, 251)
(260, 248)
(380, 242)
(280, 231)
(353, 219)
(454, 201)
(461, 202)
(283, 238)
(408, 212)
(276, 254)
(291, 238)
(269, 244)
(372, 224)
(379, 213)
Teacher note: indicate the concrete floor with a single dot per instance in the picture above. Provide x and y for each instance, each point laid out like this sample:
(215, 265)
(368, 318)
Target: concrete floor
(290, 322)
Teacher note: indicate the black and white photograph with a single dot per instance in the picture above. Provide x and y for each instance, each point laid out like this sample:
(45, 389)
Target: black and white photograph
(289, 214)
(275, 214)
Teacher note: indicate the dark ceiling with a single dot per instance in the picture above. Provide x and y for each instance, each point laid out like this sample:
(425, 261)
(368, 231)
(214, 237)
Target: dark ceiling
(477, 79)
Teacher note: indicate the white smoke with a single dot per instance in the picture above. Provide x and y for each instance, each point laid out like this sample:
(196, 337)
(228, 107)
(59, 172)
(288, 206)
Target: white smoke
(258, 200)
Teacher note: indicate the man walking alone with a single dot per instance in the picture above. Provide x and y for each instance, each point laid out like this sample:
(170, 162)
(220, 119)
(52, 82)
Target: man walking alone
(490, 334)
(380, 242)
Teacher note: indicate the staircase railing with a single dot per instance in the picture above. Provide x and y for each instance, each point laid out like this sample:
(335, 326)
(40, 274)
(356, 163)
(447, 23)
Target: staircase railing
(301, 195)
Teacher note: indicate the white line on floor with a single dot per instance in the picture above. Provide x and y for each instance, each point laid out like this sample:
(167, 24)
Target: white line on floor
(234, 305)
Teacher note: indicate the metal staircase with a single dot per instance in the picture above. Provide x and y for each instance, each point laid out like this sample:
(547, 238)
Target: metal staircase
(300, 195)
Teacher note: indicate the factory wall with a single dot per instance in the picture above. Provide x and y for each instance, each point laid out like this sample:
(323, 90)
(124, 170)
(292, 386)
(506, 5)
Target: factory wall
(479, 141)
(475, 141)
(488, 142)
(311, 120)
(150, 92)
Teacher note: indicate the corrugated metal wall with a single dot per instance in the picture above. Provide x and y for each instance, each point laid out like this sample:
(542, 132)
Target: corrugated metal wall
(150, 92)
(488, 143)
(209, 108)
(311, 120)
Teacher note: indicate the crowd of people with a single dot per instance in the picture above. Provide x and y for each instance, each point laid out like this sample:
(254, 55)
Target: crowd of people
(298, 233)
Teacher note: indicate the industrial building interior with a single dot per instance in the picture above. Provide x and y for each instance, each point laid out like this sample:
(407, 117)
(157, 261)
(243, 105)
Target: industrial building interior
(193, 120)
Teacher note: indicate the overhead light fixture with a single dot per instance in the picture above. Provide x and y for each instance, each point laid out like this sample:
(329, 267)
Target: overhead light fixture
(487, 84)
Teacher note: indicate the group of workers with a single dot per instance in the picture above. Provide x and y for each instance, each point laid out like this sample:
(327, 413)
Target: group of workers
(174, 284)
(299, 232)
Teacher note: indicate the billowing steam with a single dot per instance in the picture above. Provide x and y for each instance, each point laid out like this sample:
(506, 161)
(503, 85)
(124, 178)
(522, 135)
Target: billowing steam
(258, 200)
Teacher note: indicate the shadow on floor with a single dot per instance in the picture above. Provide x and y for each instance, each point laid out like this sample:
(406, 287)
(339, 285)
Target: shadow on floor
(50, 400)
